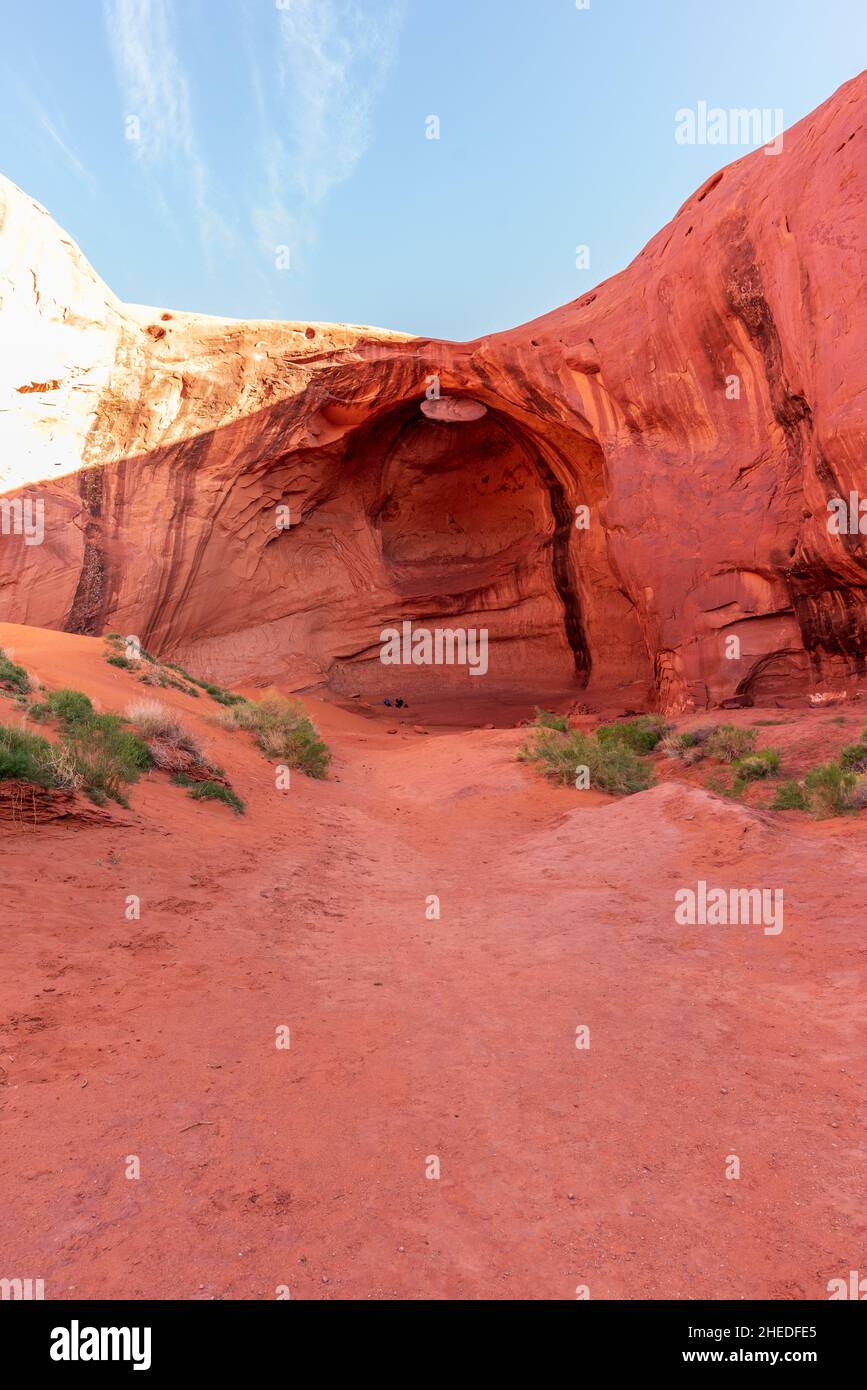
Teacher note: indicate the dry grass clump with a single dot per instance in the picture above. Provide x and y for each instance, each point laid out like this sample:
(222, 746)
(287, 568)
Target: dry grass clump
(727, 743)
(63, 767)
(165, 734)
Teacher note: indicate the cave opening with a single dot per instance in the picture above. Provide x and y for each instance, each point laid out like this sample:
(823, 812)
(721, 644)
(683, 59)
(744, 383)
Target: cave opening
(472, 525)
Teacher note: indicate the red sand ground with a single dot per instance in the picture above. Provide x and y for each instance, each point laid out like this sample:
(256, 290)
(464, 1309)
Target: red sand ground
(411, 1038)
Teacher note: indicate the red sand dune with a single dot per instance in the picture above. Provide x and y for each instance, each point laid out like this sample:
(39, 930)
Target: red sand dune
(411, 1038)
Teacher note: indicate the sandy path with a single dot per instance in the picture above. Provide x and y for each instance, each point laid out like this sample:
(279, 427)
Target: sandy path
(411, 1038)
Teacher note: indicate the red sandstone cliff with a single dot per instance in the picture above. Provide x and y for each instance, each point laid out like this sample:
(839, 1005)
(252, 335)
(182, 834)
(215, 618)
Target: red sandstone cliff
(162, 446)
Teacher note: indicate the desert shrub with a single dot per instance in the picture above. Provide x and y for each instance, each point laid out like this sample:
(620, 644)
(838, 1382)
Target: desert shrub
(283, 731)
(790, 796)
(159, 676)
(557, 757)
(70, 706)
(678, 746)
(216, 692)
(13, 677)
(211, 791)
(620, 771)
(546, 720)
(106, 755)
(38, 710)
(25, 757)
(63, 767)
(151, 671)
(152, 718)
(692, 755)
(830, 787)
(300, 748)
(95, 753)
(155, 721)
(857, 799)
(672, 746)
(612, 768)
(702, 736)
(688, 747)
(169, 758)
(728, 743)
(854, 758)
(114, 642)
(758, 765)
(154, 676)
(641, 735)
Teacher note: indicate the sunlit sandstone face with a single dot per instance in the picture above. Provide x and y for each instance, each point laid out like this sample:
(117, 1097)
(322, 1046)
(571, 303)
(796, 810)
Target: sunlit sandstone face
(628, 495)
(453, 409)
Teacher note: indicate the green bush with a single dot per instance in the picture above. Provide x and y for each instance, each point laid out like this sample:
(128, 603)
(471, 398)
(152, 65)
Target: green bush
(25, 757)
(758, 765)
(790, 796)
(96, 752)
(216, 692)
(612, 768)
(103, 755)
(211, 791)
(546, 720)
(854, 758)
(640, 735)
(107, 755)
(13, 677)
(728, 743)
(159, 677)
(70, 706)
(830, 786)
(283, 731)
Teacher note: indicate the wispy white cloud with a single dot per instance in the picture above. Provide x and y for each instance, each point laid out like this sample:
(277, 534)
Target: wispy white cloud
(155, 88)
(332, 60)
(48, 126)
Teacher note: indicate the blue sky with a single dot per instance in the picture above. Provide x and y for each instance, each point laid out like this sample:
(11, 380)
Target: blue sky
(301, 124)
